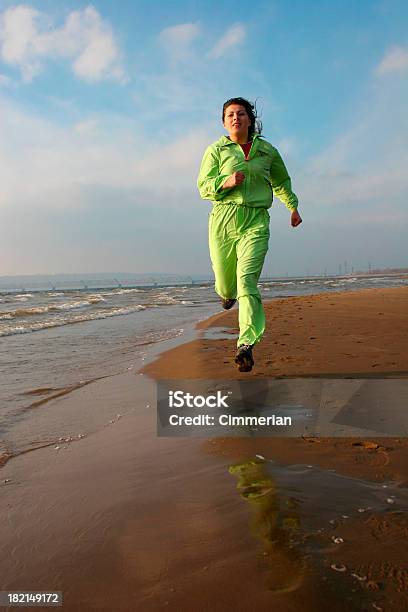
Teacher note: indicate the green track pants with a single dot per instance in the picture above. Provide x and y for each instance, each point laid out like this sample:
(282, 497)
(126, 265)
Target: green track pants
(238, 237)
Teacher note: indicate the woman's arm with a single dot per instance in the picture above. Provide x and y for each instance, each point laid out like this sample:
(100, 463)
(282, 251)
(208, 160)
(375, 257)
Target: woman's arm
(210, 182)
(281, 183)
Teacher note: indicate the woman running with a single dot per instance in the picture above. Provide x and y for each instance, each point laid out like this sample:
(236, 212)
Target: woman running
(240, 173)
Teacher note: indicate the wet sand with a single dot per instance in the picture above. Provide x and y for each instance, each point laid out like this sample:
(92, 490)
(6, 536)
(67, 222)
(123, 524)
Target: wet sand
(123, 520)
(359, 333)
(351, 335)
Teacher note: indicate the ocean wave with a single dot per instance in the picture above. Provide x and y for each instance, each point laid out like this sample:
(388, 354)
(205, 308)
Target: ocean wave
(39, 310)
(159, 336)
(378, 279)
(122, 291)
(23, 312)
(70, 305)
(94, 299)
(166, 299)
(60, 321)
(20, 298)
(284, 283)
(271, 285)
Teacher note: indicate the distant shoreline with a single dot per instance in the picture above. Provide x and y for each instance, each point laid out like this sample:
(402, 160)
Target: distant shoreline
(93, 282)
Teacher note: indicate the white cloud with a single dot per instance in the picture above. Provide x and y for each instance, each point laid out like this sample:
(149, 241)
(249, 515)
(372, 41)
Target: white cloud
(232, 37)
(172, 168)
(361, 176)
(74, 197)
(28, 39)
(88, 126)
(286, 146)
(177, 39)
(5, 81)
(395, 60)
(64, 168)
(18, 36)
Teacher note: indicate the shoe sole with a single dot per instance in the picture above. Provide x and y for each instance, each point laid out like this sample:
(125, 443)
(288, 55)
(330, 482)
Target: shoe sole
(229, 306)
(244, 362)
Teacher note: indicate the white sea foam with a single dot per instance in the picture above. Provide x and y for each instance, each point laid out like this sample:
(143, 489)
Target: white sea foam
(69, 305)
(58, 321)
(121, 291)
(166, 299)
(39, 310)
(23, 312)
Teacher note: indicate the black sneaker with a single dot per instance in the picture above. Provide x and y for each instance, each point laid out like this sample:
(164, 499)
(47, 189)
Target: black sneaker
(228, 303)
(243, 358)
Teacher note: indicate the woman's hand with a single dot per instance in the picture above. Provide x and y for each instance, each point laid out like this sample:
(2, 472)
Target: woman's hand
(235, 179)
(295, 219)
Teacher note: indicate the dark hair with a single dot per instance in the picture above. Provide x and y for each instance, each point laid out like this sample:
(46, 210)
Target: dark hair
(256, 124)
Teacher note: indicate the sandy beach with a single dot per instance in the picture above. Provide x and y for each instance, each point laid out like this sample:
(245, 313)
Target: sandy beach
(359, 333)
(123, 520)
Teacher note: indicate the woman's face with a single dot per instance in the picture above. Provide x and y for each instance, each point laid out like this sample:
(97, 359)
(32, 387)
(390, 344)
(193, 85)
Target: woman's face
(236, 121)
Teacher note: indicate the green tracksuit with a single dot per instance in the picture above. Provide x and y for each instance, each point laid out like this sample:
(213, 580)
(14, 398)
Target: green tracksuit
(239, 222)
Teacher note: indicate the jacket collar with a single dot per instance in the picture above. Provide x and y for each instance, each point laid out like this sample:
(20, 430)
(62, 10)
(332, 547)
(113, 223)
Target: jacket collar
(224, 140)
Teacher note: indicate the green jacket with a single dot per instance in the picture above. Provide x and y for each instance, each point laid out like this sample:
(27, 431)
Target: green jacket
(265, 175)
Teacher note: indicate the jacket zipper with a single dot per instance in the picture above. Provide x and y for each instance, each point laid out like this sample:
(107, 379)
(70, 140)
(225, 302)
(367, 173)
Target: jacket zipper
(246, 181)
(247, 178)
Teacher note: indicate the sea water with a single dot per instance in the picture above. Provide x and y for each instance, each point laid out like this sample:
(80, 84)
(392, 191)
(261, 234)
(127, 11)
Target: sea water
(55, 339)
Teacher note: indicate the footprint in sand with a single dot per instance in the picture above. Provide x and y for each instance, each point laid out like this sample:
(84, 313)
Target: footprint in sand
(367, 445)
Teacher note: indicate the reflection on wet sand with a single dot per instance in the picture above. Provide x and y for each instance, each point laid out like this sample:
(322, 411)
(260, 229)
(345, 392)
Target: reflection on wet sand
(317, 525)
(274, 524)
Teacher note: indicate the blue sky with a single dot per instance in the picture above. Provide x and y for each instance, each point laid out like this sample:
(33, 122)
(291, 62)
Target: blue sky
(105, 113)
